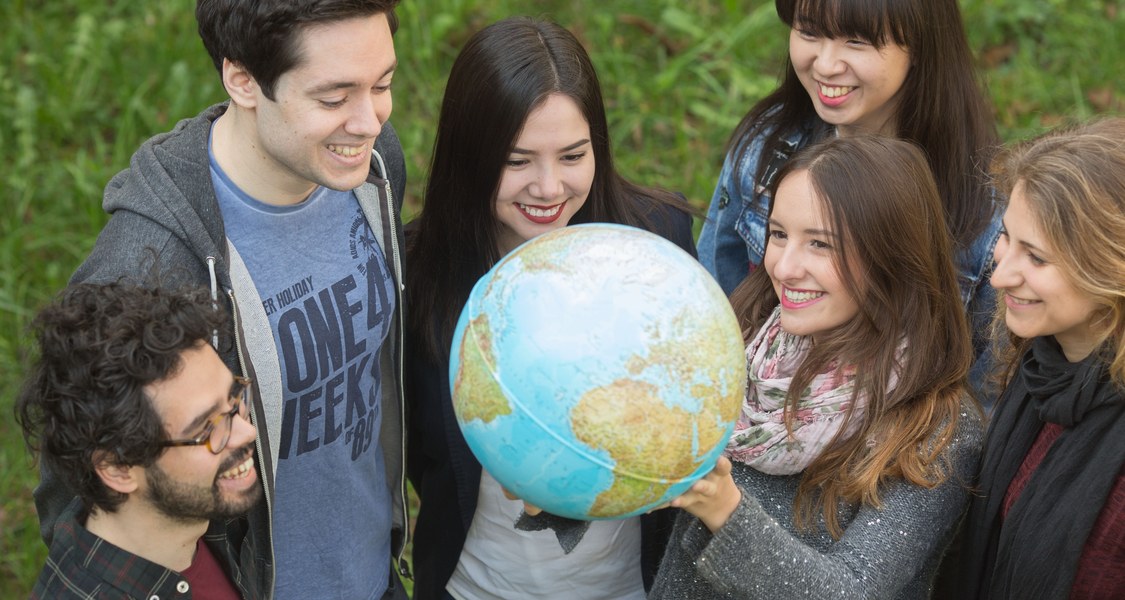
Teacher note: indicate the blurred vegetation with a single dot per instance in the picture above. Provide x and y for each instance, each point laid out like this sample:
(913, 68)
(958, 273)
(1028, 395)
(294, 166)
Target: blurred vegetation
(85, 81)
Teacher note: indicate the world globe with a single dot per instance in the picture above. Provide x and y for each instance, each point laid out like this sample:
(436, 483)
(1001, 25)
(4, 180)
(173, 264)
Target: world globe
(597, 371)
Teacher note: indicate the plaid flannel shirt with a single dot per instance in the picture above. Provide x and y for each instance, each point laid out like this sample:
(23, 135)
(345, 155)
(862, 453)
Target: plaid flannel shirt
(83, 565)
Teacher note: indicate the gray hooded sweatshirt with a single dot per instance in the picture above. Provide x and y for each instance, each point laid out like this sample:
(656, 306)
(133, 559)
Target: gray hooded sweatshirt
(166, 227)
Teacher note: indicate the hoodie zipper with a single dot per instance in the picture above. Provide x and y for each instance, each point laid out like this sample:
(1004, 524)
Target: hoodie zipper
(215, 301)
(237, 324)
(403, 568)
(268, 493)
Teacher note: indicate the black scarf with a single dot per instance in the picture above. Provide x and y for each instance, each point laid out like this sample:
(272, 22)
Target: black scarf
(1035, 553)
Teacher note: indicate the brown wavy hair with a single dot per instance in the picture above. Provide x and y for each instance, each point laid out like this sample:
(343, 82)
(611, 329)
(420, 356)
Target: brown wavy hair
(895, 258)
(1074, 183)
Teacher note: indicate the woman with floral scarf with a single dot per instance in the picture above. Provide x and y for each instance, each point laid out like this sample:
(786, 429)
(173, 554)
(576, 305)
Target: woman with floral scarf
(848, 469)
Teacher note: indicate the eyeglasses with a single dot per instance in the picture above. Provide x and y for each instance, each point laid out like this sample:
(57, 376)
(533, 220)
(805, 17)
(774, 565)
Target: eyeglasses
(217, 432)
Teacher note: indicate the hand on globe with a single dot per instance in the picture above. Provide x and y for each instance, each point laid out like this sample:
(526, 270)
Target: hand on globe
(713, 498)
(528, 508)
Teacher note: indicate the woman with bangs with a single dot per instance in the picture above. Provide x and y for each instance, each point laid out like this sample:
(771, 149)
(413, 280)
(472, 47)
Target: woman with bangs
(1049, 519)
(900, 68)
(522, 149)
(849, 466)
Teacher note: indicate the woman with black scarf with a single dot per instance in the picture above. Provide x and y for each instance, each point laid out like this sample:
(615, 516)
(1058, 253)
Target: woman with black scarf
(1049, 517)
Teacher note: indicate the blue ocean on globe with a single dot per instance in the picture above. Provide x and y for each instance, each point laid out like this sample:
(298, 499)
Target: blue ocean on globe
(597, 371)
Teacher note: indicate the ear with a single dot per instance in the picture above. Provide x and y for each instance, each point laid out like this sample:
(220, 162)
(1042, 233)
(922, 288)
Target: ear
(240, 85)
(116, 477)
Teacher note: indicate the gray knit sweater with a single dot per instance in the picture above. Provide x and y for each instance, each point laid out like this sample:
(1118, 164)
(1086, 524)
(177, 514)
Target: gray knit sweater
(892, 552)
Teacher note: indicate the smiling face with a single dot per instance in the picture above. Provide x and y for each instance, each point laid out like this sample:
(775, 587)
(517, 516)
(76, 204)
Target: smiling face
(548, 174)
(1039, 299)
(189, 483)
(853, 84)
(801, 261)
(326, 112)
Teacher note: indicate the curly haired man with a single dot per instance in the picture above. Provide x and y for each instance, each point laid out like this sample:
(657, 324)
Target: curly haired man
(132, 406)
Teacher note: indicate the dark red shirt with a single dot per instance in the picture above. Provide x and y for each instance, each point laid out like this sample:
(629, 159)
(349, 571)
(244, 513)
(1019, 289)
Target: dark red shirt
(206, 578)
(81, 565)
(1101, 569)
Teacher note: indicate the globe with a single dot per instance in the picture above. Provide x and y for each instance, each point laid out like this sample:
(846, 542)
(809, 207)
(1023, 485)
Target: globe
(597, 371)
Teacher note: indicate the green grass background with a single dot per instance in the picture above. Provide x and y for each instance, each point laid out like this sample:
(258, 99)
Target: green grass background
(83, 82)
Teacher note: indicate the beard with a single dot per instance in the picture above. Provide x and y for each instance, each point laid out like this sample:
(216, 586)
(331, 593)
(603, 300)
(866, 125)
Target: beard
(189, 503)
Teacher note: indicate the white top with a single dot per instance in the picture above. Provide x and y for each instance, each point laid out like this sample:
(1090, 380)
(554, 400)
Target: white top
(499, 562)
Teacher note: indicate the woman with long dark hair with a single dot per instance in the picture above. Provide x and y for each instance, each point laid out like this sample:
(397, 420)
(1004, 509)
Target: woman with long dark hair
(522, 148)
(899, 68)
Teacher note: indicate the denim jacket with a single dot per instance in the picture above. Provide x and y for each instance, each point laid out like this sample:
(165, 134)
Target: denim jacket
(733, 238)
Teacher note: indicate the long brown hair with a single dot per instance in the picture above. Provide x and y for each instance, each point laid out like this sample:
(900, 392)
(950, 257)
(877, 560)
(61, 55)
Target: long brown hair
(895, 258)
(1074, 183)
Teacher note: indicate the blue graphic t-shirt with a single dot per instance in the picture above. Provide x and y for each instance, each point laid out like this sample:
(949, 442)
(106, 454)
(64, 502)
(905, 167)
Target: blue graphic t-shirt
(324, 283)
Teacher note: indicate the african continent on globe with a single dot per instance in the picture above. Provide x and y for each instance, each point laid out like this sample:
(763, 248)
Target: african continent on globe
(597, 371)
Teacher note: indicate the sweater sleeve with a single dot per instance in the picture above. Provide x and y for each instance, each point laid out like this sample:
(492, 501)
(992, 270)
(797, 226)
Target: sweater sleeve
(878, 554)
(881, 552)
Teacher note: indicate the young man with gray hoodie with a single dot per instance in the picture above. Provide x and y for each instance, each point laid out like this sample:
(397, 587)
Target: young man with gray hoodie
(285, 202)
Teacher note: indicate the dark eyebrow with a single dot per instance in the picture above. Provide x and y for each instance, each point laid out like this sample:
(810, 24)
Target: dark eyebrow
(343, 85)
(333, 86)
(193, 427)
(566, 149)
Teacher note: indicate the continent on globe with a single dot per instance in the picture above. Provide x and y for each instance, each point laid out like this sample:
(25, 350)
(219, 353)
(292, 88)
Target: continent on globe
(643, 433)
(597, 371)
(483, 398)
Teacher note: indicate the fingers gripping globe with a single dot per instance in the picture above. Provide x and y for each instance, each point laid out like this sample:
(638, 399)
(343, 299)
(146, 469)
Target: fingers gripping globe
(597, 371)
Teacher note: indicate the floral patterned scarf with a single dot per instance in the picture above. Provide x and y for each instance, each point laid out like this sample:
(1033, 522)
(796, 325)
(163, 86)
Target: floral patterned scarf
(760, 439)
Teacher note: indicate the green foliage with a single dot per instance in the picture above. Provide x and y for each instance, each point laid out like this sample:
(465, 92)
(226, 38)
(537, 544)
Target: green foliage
(1048, 61)
(85, 82)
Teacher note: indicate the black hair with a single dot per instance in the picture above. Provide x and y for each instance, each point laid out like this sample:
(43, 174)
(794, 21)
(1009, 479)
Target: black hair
(942, 107)
(503, 73)
(264, 35)
(99, 347)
